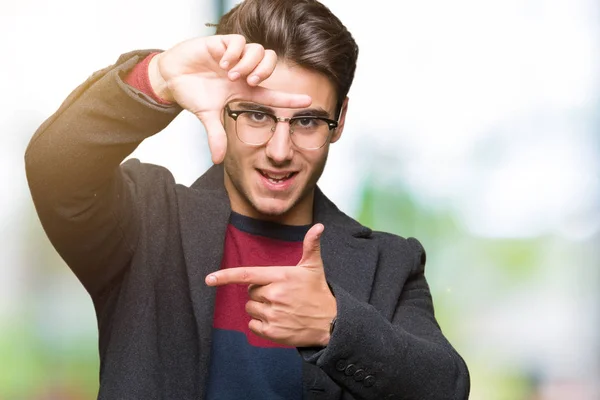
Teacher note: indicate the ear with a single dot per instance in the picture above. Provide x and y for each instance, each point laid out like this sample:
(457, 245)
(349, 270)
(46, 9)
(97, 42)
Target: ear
(340, 128)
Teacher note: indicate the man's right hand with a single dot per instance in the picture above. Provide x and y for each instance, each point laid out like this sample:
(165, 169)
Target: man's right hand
(204, 74)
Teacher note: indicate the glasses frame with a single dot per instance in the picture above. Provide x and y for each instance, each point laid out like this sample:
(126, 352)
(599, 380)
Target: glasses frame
(234, 114)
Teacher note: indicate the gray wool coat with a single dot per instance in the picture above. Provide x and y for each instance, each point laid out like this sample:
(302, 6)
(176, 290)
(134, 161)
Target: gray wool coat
(142, 245)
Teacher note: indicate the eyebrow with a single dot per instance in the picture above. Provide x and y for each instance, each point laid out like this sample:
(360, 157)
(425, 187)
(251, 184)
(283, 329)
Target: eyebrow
(308, 112)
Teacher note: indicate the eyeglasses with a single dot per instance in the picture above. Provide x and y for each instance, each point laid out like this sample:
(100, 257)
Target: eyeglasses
(255, 127)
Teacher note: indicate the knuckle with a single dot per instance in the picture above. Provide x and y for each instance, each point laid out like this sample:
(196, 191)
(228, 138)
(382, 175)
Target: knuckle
(269, 314)
(253, 326)
(256, 47)
(238, 38)
(245, 275)
(273, 295)
(269, 60)
(267, 330)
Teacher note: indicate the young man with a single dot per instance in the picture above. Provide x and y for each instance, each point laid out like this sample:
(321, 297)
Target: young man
(250, 284)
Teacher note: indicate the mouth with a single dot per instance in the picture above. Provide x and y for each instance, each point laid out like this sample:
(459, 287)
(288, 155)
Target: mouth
(277, 177)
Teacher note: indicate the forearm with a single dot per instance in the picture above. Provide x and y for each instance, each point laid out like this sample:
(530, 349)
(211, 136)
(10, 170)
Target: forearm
(395, 350)
(407, 359)
(100, 124)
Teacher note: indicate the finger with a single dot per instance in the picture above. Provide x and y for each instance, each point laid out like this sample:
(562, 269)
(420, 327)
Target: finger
(246, 275)
(266, 294)
(217, 139)
(235, 45)
(276, 98)
(257, 310)
(264, 69)
(251, 57)
(216, 48)
(256, 326)
(311, 247)
(255, 293)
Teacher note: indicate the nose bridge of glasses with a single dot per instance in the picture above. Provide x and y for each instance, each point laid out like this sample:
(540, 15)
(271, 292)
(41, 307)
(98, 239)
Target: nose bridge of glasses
(283, 119)
(279, 144)
(277, 119)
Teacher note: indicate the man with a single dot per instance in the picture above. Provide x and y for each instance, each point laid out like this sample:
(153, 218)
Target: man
(250, 284)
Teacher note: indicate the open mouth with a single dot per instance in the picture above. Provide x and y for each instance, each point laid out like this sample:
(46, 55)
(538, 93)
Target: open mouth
(277, 178)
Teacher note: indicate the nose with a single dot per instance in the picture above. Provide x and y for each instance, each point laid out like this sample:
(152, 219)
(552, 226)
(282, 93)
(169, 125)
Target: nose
(279, 147)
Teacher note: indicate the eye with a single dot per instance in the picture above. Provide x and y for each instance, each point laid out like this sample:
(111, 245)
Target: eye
(257, 116)
(307, 123)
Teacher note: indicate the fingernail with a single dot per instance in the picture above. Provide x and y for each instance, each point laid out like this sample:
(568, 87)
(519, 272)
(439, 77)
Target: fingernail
(211, 280)
(224, 64)
(234, 75)
(253, 79)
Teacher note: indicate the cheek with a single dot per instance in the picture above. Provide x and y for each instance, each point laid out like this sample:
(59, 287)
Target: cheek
(317, 162)
(239, 162)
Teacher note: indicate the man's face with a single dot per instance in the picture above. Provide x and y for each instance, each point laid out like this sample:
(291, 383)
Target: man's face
(248, 168)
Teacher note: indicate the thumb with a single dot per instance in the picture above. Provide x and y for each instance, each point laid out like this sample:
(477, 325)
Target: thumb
(311, 247)
(217, 139)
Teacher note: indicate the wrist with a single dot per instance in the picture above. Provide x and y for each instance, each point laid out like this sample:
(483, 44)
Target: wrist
(157, 82)
(331, 320)
(333, 316)
(332, 325)
(326, 333)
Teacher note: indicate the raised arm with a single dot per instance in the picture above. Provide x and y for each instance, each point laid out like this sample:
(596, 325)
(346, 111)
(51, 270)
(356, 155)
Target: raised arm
(85, 200)
(86, 203)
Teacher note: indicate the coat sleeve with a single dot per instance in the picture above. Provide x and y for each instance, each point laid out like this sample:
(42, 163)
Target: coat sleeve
(405, 358)
(85, 200)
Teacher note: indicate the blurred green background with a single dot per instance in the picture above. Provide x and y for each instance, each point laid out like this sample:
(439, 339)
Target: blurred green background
(473, 126)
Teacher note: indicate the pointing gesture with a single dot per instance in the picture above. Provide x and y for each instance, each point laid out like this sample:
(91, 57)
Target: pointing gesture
(292, 305)
(204, 74)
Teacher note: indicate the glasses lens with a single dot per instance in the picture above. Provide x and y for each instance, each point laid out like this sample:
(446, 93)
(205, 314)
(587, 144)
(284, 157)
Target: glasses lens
(309, 133)
(257, 127)
(254, 127)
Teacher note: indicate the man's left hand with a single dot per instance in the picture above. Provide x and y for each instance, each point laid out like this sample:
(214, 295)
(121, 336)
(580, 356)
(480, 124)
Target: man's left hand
(291, 305)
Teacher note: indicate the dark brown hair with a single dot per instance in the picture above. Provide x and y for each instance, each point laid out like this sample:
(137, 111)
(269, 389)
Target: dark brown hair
(304, 32)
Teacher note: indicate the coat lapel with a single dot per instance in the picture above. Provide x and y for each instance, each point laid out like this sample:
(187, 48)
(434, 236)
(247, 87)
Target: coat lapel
(349, 257)
(204, 213)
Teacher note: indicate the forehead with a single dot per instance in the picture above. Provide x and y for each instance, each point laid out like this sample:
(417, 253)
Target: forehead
(295, 79)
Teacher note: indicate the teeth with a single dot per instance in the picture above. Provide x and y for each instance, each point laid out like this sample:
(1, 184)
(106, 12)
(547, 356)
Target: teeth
(276, 178)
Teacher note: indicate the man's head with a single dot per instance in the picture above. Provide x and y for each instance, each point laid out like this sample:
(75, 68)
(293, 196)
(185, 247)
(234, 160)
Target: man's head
(301, 32)
(317, 56)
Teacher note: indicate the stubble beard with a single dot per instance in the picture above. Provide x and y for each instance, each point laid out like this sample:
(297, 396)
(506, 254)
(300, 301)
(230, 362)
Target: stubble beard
(234, 172)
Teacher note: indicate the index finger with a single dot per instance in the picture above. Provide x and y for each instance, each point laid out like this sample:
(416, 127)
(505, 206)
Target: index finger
(275, 98)
(246, 275)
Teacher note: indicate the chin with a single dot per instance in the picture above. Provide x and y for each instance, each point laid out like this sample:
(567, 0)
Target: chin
(272, 207)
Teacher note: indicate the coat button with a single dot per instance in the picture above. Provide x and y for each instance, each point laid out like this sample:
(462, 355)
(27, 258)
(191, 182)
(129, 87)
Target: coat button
(369, 381)
(341, 365)
(350, 370)
(359, 375)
